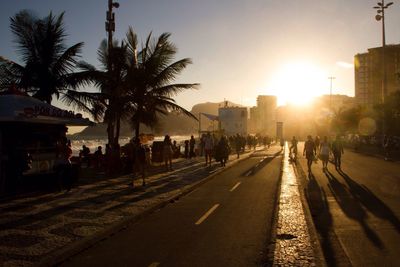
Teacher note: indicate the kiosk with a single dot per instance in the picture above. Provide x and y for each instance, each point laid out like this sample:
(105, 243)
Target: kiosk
(30, 131)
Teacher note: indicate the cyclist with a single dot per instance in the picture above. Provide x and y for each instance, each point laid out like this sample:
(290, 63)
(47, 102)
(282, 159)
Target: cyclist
(293, 148)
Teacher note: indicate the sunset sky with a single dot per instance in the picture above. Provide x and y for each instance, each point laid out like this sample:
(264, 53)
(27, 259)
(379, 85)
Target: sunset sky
(240, 49)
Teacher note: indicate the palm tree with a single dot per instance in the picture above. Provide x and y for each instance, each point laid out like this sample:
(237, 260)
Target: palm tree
(48, 65)
(150, 77)
(110, 104)
(135, 85)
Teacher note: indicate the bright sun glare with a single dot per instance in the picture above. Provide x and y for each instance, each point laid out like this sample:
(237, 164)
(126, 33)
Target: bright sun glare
(298, 83)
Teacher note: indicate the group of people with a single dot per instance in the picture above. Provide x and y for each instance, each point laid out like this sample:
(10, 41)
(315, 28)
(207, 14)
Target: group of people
(314, 147)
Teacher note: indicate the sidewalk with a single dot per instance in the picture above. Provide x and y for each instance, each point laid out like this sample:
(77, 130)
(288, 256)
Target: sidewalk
(35, 230)
(296, 241)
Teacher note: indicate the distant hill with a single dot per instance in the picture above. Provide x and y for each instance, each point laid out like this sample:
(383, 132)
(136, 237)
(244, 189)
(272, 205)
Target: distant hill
(174, 123)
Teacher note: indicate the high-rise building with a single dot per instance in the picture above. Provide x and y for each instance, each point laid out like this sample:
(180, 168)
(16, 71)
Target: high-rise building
(368, 72)
(266, 109)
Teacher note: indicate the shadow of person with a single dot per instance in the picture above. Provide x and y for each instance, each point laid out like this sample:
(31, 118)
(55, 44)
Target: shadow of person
(352, 207)
(370, 201)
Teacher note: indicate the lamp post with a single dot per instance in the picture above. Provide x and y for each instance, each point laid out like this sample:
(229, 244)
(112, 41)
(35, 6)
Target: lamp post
(110, 21)
(380, 16)
(330, 96)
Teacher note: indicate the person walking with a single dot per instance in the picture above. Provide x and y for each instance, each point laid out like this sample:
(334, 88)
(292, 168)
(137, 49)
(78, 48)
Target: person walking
(309, 152)
(192, 142)
(208, 148)
(282, 142)
(222, 152)
(167, 152)
(293, 149)
(317, 142)
(238, 145)
(139, 161)
(186, 149)
(337, 151)
(324, 151)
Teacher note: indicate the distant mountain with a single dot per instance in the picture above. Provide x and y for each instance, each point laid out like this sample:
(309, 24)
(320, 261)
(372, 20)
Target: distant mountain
(174, 123)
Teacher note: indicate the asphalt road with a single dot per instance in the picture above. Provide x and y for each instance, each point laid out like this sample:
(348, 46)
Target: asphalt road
(356, 211)
(225, 222)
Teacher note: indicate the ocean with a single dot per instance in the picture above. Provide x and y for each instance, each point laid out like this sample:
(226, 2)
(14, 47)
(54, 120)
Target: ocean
(92, 144)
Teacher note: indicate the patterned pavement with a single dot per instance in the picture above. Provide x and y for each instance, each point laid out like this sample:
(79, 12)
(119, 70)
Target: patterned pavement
(32, 228)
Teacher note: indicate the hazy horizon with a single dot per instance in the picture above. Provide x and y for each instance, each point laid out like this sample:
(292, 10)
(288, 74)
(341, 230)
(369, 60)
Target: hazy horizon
(240, 49)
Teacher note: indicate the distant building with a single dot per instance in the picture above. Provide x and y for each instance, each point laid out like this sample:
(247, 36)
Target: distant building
(265, 114)
(233, 120)
(368, 72)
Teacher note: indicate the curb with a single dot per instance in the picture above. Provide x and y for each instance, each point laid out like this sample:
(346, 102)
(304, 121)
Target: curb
(316, 244)
(274, 219)
(61, 255)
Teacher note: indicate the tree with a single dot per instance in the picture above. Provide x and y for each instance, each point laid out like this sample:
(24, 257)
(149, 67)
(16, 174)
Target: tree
(110, 104)
(47, 64)
(150, 77)
(390, 112)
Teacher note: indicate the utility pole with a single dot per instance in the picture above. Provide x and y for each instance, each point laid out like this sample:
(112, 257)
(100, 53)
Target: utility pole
(330, 95)
(381, 16)
(110, 22)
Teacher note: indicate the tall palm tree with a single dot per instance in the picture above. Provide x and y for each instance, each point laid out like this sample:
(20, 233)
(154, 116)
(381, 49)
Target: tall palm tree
(110, 103)
(150, 78)
(47, 68)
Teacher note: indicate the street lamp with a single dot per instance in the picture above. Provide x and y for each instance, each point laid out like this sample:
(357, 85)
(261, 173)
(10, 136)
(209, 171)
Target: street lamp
(110, 21)
(380, 16)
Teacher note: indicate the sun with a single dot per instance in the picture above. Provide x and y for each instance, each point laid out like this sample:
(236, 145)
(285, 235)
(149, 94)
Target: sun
(298, 83)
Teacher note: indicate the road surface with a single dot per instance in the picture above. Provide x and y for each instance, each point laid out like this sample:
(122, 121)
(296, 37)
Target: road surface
(356, 210)
(225, 222)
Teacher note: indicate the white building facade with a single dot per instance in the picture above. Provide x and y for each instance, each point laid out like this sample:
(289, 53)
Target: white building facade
(233, 120)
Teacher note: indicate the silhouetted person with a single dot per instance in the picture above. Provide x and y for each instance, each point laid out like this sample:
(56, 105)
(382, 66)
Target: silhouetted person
(139, 161)
(98, 157)
(309, 151)
(208, 148)
(64, 165)
(192, 142)
(238, 144)
(317, 143)
(167, 152)
(222, 151)
(324, 151)
(337, 151)
(293, 148)
(186, 149)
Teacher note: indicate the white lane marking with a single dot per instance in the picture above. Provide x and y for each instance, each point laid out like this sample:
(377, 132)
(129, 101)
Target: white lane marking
(235, 186)
(154, 264)
(208, 213)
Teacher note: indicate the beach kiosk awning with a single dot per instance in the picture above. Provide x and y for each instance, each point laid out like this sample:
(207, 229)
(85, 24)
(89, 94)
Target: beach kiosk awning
(21, 108)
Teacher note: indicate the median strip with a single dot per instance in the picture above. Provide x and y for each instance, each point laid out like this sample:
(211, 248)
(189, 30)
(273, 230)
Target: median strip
(208, 213)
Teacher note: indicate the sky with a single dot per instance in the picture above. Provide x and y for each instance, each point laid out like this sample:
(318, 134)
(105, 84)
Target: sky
(240, 49)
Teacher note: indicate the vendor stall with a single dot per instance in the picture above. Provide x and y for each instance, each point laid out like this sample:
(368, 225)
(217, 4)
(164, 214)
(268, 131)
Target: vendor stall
(30, 134)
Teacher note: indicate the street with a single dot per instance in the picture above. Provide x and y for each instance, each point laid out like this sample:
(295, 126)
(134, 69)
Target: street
(225, 222)
(356, 210)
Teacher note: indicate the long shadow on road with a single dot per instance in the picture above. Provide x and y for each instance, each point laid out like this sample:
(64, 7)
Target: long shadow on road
(370, 201)
(352, 207)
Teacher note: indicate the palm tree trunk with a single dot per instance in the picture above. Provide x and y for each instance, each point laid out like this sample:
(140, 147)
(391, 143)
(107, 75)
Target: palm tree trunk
(117, 130)
(137, 129)
(110, 132)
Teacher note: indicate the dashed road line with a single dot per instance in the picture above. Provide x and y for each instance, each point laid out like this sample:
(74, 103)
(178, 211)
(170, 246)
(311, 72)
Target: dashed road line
(235, 186)
(208, 213)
